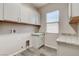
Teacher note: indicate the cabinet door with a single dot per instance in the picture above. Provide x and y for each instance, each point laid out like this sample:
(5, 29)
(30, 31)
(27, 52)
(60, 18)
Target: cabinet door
(32, 18)
(25, 14)
(29, 15)
(1, 11)
(11, 11)
(35, 18)
(75, 9)
(37, 41)
(38, 19)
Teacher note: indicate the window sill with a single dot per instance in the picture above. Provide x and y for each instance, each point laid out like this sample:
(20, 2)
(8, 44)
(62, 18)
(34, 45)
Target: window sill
(51, 33)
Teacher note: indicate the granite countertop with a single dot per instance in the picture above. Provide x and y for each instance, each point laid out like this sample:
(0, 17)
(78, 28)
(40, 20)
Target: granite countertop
(68, 39)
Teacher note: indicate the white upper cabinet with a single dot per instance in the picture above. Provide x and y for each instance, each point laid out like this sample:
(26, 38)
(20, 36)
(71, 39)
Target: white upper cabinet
(75, 9)
(37, 18)
(19, 12)
(32, 17)
(1, 11)
(29, 15)
(25, 14)
(11, 11)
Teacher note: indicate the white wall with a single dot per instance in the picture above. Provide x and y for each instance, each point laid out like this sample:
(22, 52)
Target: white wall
(50, 40)
(5, 28)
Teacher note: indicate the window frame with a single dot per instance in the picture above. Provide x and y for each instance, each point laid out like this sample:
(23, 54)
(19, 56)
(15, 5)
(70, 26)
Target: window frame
(52, 22)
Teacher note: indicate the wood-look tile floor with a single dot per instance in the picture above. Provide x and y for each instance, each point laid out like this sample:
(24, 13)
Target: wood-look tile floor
(44, 51)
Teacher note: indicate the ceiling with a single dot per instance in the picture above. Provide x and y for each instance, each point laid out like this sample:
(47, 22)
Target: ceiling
(38, 5)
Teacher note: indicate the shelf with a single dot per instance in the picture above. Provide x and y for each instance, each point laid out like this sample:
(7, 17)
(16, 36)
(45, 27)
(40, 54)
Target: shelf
(74, 20)
(15, 22)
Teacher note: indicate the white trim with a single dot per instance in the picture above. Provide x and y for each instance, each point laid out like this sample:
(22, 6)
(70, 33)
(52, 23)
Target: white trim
(51, 47)
(52, 22)
(52, 27)
(51, 33)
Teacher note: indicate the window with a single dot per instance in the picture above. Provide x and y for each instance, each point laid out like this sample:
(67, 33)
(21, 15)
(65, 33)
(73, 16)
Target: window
(52, 22)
